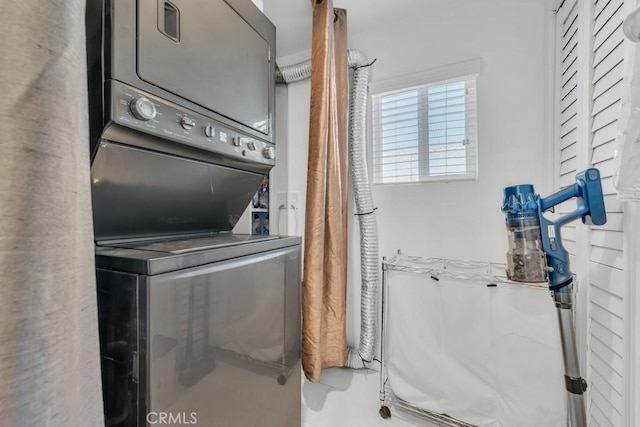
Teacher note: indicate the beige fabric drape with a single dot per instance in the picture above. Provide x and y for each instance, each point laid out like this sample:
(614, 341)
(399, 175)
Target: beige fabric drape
(49, 353)
(325, 253)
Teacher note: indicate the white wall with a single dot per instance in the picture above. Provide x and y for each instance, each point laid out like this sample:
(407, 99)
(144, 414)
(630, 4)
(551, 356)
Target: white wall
(279, 176)
(289, 177)
(457, 219)
(463, 219)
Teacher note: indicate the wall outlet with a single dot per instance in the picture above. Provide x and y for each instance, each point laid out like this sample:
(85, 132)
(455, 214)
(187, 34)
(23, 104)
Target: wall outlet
(282, 200)
(293, 200)
(287, 200)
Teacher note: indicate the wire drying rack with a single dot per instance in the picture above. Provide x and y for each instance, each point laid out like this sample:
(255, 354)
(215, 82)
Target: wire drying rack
(490, 272)
(484, 273)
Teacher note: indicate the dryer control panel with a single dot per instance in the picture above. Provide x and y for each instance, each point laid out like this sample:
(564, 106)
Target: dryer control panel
(146, 113)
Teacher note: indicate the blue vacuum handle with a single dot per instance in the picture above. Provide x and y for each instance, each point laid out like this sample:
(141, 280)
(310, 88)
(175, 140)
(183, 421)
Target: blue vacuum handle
(588, 193)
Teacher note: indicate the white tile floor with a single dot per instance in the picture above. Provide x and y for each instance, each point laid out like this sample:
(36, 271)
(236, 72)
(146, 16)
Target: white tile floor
(346, 398)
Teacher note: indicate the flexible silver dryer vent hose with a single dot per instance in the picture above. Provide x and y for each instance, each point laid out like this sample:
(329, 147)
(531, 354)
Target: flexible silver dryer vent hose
(365, 209)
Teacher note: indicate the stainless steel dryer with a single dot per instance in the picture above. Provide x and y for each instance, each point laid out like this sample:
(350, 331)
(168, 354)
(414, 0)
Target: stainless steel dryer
(197, 325)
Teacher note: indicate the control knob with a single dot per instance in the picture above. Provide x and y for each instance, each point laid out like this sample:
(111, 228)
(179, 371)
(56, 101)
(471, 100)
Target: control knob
(251, 146)
(187, 122)
(142, 108)
(269, 152)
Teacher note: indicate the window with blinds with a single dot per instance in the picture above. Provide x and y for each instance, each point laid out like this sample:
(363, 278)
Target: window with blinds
(426, 133)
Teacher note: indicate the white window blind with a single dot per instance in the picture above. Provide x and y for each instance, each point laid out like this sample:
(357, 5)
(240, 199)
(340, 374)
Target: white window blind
(426, 133)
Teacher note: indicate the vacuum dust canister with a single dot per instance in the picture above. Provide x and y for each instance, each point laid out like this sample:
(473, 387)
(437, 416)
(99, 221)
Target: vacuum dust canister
(526, 260)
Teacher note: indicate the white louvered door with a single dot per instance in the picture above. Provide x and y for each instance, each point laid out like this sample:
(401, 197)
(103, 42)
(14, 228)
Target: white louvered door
(587, 133)
(568, 58)
(606, 371)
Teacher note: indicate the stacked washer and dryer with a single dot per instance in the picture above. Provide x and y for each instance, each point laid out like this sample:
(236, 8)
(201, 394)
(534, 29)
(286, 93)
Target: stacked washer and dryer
(198, 325)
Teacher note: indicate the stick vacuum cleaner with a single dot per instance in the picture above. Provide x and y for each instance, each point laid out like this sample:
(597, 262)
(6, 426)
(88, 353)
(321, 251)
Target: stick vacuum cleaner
(536, 254)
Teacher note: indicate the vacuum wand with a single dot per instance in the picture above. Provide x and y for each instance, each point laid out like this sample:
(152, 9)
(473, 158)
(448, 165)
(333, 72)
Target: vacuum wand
(536, 254)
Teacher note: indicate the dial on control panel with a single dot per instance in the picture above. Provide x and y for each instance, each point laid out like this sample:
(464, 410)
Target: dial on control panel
(269, 152)
(187, 122)
(142, 108)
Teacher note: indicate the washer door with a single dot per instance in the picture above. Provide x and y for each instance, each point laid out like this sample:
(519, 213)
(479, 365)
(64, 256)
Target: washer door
(223, 341)
(206, 53)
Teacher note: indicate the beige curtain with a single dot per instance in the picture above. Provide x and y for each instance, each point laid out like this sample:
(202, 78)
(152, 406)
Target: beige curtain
(49, 355)
(325, 252)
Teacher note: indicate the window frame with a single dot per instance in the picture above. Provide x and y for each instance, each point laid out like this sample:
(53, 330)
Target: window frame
(467, 72)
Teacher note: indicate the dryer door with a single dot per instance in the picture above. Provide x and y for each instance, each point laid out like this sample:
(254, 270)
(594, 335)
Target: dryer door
(206, 53)
(139, 194)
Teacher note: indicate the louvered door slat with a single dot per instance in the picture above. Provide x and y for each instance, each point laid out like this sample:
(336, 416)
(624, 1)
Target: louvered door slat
(613, 341)
(605, 117)
(605, 405)
(609, 79)
(568, 15)
(607, 167)
(610, 58)
(606, 300)
(612, 203)
(569, 125)
(608, 46)
(568, 100)
(605, 15)
(569, 139)
(603, 135)
(598, 419)
(608, 187)
(615, 221)
(611, 394)
(608, 257)
(601, 154)
(569, 152)
(607, 239)
(600, 5)
(608, 28)
(602, 346)
(607, 278)
(607, 98)
(571, 70)
(569, 166)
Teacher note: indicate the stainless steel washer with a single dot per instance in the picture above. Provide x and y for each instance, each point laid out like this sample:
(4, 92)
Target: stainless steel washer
(205, 328)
